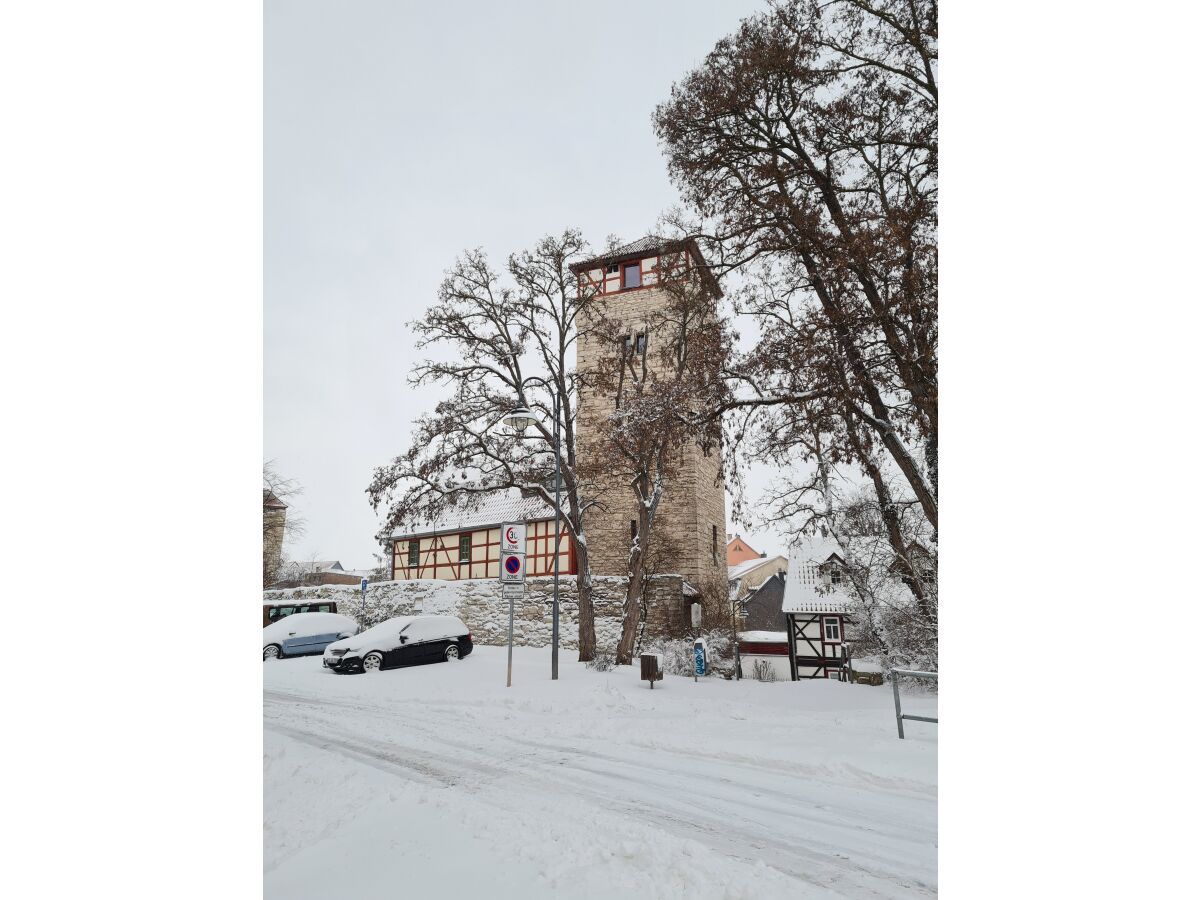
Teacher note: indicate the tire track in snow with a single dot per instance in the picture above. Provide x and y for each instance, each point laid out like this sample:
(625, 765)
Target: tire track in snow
(663, 796)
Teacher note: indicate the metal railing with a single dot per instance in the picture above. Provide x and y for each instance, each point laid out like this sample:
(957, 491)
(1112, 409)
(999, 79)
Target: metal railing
(900, 717)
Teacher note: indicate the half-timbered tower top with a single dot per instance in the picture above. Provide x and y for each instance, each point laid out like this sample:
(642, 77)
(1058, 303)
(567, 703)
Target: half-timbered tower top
(643, 264)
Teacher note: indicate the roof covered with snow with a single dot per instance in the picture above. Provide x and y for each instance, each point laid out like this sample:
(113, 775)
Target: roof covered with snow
(744, 568)
(484, 511)
(312, 566)
(804, 590)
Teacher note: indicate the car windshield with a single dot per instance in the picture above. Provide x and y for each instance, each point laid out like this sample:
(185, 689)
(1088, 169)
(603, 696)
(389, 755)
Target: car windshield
(390, 628)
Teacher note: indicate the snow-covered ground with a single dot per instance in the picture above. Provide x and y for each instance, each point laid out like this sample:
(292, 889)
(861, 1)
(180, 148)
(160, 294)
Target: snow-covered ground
(439, 777)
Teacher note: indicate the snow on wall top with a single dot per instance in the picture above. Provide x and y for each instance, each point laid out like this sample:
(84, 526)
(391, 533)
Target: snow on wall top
(485, 512)
(763, 637)
(804, 590)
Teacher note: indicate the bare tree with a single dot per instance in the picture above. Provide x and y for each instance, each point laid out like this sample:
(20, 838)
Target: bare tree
(504, 341)
(806, 146)
(883, 584)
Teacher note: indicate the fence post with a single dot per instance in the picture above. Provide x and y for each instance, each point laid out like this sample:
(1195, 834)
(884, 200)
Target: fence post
(896, 695)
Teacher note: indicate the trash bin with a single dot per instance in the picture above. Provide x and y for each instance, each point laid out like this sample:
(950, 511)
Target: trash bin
(652, 668)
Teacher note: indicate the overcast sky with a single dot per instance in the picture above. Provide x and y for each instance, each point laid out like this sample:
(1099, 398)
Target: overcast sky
(398, 134)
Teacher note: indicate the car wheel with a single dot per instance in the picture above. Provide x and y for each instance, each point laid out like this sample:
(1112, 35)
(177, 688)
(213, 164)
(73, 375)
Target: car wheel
(272, 651)
(372, 662)
(452, 652)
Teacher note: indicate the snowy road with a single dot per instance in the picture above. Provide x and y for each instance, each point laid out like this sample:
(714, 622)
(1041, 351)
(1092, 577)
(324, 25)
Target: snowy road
(591, 787)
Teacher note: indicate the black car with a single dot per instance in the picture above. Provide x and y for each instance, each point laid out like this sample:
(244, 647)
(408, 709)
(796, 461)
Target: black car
(403, 641)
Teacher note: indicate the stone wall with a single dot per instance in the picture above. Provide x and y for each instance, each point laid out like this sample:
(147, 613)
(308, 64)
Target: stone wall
(479, 604)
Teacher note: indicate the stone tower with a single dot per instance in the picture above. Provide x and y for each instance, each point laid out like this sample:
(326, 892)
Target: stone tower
(274, 525)
(627, 283)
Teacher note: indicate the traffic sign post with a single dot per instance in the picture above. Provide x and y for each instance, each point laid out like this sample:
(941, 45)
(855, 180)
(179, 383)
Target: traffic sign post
(512, 575)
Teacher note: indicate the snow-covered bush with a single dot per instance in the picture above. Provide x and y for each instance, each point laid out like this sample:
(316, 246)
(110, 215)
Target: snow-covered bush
(679, 657)
(602, 661)
(763, 670)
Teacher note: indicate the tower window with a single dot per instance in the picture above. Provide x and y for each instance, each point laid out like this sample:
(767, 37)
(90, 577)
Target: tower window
(639, 344)
(632, 530)
(631, 275)
(714, 546)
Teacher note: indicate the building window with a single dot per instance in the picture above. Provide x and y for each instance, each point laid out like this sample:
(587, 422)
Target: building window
(835, 576)
(833, 629)
(631, 275)
(639, 345)
(464, 548)
(611, 270)
(714, 545)
(414, 552)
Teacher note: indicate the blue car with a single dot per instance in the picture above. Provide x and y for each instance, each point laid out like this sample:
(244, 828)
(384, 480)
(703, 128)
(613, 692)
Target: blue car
(304, 634)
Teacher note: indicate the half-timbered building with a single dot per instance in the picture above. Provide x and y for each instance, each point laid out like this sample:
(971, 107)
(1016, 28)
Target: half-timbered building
(466, 543)
(816, 608)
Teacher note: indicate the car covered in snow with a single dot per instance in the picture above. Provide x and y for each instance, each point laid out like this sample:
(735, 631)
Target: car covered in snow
(302, 634)
(402, 641)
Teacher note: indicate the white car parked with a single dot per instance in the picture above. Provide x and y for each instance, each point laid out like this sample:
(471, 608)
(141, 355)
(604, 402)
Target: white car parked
(301, 634)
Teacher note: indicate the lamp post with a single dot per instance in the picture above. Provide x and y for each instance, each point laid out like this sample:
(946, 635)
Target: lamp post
(521, 418)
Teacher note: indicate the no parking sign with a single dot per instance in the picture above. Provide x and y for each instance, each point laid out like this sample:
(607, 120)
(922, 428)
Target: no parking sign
(512, 568)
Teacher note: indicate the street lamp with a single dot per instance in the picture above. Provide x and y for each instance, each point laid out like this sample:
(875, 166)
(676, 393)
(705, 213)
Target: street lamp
(520, 418)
